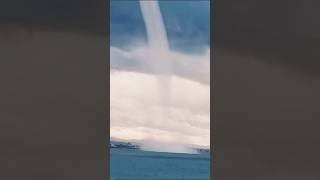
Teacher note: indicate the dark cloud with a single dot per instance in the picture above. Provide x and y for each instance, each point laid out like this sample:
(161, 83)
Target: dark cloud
(187, 32)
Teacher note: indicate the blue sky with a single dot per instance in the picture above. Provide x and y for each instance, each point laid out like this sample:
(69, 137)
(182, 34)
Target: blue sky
(187, 24)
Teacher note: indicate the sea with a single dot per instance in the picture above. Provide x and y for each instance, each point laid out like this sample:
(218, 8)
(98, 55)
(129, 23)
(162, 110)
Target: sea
(136, 164)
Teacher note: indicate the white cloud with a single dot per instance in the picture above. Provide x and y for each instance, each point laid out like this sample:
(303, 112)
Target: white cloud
(143, 109)
(195, 67)
(137, 111)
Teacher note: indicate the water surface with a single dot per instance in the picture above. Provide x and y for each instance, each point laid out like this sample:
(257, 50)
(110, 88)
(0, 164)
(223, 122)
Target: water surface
(137, 164)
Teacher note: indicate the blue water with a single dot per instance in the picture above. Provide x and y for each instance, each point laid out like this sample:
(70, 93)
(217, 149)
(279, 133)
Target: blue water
(137, 164)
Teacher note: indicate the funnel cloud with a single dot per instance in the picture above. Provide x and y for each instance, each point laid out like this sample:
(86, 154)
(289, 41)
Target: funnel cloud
(158, 96)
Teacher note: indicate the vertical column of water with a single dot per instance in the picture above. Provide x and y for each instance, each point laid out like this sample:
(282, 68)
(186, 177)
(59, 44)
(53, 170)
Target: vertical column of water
(158, 46)
(159, 56)
(158, 52)
(157, 36)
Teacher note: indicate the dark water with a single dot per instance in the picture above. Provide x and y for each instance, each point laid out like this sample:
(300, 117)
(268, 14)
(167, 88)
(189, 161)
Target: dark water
(137, 164)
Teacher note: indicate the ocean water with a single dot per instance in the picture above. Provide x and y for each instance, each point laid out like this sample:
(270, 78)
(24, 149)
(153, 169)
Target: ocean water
(136, 164)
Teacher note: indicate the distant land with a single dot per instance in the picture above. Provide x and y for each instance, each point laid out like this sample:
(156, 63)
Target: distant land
(136, 144)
